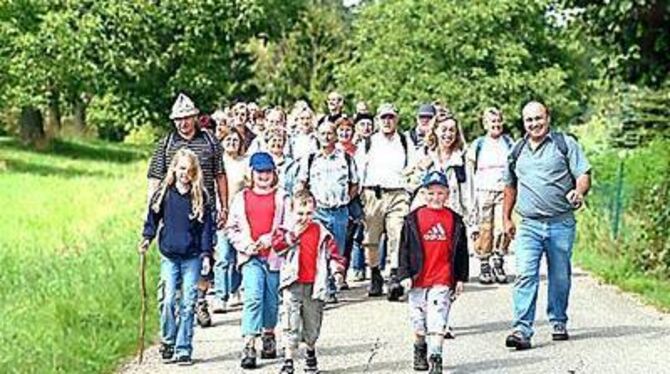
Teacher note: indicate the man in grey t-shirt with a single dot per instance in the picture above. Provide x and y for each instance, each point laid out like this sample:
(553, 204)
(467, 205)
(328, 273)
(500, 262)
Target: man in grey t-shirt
(547, 176)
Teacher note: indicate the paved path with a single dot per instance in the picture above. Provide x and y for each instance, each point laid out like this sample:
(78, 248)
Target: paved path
(610, 333)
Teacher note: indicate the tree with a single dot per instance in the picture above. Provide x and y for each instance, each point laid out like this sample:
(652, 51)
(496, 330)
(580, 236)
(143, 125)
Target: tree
(633, 35)
(301, 65)
(469, 55)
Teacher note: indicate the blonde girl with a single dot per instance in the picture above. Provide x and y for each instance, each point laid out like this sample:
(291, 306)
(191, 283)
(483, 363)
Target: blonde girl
(179, 213)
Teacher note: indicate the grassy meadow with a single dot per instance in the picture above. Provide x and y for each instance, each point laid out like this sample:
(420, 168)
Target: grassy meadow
(69, 223)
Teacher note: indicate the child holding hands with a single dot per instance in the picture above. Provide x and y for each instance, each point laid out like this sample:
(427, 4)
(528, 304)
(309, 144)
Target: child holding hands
(311, 257)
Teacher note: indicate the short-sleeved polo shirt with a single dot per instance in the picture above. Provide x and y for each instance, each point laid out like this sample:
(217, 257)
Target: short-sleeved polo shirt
(544, 176)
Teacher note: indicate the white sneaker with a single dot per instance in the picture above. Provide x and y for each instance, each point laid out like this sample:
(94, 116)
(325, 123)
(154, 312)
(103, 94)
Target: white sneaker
(236, 299)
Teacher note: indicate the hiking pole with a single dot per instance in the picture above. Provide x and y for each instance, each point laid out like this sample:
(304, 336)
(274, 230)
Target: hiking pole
(143, 312)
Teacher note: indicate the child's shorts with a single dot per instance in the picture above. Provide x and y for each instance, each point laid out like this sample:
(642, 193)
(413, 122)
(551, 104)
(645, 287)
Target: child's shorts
(429, 309)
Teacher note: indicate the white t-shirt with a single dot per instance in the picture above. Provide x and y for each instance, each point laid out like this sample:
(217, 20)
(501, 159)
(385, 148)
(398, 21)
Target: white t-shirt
(491, 163)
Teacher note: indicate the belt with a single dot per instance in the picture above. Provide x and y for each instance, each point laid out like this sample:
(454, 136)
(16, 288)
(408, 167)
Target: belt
(383, 189)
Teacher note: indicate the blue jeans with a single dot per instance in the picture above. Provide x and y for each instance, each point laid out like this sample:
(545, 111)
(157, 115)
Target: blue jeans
(357, 251)
(535, 237)
(261, 297)
(176, 272)
(227, 278)
(336, 220)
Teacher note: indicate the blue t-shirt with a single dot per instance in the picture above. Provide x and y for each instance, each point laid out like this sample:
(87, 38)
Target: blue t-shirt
(544, 177)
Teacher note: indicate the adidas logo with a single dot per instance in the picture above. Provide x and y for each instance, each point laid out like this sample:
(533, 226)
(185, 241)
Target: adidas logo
(436, 232)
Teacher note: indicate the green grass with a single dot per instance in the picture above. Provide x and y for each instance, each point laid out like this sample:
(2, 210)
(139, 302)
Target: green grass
(71, 218)
(611, 261)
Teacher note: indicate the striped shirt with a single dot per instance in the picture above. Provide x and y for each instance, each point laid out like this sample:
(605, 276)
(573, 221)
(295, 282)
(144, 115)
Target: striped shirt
(208, 150)
(329, 178)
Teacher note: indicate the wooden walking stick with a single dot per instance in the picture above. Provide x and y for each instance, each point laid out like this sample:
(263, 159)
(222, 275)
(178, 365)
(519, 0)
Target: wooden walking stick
(143, 312)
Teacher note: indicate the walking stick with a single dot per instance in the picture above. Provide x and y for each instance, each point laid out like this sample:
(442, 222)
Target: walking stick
(143, 312)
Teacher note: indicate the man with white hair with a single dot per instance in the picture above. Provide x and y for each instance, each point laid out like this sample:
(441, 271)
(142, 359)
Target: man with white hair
(385, 157)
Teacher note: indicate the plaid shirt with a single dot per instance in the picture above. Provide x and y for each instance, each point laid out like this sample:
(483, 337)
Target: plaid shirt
(329, 178)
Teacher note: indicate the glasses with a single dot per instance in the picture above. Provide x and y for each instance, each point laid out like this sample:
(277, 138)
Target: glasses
(240, 113)
(387, 116)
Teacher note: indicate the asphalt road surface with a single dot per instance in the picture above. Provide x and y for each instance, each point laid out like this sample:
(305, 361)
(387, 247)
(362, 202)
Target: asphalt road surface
(610, 333)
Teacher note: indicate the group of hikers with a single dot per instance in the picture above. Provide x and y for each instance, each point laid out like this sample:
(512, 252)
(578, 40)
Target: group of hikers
(288, 208)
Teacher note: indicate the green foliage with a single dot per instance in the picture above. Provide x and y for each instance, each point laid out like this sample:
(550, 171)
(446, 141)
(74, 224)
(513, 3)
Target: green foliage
(643, 241)
(632, 35)
(70, 300)
(301, 65)
(469, 55)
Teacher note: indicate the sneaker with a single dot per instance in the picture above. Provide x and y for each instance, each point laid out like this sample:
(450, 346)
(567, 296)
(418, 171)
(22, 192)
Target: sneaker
(449, 333)
(499, 270)
(219, 306)
(421, 357)
(435, 364)
(560, 333)
(202, 314)
(167, 352)
(332, 299)
(269, 350)
(248, 358)
(287, 368)
(359, 275)
(311, 364)
(485, 275)
(344, 286)
(184, 361)
(518, 341)
(376, 283)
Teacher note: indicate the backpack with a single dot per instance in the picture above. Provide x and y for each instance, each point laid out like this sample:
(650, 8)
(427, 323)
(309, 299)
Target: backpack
(557, 137)
(479, 143)
(310, 161)
(403, 141)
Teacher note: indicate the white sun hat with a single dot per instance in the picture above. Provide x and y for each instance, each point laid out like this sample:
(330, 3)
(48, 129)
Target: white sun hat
(183, 107)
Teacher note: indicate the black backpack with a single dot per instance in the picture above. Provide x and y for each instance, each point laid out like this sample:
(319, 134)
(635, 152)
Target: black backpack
(557, 137)
(310, 161)
(403, 141)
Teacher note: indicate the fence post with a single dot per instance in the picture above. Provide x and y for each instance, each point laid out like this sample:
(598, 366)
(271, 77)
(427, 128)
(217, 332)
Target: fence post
(618, 204)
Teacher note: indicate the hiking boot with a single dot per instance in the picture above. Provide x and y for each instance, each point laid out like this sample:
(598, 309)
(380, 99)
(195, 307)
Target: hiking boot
(449, 333)
(167, 352)
(518, 341)
(202, 314)
(269, 350)
(499, 270)
(376, 283)
(184, 361)
(219, 306)
(435, 364)
(311, 364)
(248, 358)
(560, 333)
(485, 275)
(395, 290)
(421, 357)
(287, 368)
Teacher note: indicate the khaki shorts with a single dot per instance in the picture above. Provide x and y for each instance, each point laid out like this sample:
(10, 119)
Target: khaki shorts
(492, 238)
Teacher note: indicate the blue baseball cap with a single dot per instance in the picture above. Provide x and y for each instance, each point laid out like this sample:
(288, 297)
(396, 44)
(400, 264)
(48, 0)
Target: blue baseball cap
(435, 177)
(262, 161)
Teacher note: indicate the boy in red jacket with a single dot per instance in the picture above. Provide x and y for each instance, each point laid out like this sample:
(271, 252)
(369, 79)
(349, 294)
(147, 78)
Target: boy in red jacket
(433, 265)
(311, 256)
